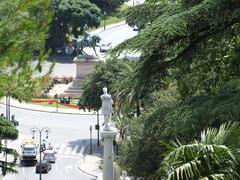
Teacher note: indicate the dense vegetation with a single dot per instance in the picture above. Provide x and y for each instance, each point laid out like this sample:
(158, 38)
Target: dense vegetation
(23, 28)
(8, 131)
(187, 79)
(70, 16)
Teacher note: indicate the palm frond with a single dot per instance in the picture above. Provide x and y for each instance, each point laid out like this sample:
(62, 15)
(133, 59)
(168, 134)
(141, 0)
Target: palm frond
(215, 156)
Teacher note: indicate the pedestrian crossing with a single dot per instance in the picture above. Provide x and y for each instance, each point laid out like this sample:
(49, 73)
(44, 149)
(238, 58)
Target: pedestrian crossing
(66, 149)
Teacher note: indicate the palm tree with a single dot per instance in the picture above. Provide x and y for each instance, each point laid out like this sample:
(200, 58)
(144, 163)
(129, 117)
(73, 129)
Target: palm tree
(122, 119)
(215, 156)
(128, 91)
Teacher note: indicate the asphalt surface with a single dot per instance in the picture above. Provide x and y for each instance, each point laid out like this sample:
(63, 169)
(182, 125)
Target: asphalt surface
(69, 136)
(70, 133)
(64, 63)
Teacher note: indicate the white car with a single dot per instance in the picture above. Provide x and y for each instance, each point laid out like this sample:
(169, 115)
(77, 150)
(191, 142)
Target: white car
(104, 47)
(135, 28)
(49, 155)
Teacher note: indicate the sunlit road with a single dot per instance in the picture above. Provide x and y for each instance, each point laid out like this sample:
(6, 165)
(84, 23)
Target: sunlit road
(69, 135)
(114, 35)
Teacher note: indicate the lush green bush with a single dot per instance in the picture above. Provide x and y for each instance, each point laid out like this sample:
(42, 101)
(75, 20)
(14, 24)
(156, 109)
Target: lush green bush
(7, 129)
(143, 153)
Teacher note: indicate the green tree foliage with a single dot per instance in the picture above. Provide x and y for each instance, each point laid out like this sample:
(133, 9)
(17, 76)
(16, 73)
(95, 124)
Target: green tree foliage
(181, 36)
(149, 13)
(70, 17)
(116, 75)
(9, 132)
(127, 91)
(110, 6)
(143, 153)
(122, 118)
(103, 75)
(214, 156)
(23, 29)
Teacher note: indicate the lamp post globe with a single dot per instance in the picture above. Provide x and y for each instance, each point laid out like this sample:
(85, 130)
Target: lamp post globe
(35, 130)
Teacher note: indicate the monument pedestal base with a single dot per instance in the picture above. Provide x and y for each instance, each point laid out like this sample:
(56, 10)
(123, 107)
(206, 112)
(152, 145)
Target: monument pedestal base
(84, 65)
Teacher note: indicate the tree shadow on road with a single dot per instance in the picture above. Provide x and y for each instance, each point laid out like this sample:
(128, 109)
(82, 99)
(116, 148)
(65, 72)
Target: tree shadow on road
(86, 143)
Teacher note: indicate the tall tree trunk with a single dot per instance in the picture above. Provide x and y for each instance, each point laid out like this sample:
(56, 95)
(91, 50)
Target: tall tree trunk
(138, 108)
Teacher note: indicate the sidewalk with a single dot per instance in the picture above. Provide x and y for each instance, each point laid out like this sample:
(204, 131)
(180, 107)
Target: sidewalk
(90, 165)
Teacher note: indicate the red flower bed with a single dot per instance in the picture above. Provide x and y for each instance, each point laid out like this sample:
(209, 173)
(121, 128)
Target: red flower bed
(51, 101)
(41, 100)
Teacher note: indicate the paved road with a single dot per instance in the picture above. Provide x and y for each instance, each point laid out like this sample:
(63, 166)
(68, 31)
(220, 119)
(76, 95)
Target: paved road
(69, 135)
(115, 35)
(68, 132)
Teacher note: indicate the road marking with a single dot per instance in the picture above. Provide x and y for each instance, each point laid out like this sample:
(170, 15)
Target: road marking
(61, 149)
(23, 170)
(69, 156)
(82, 149)
(68, 150)
(56, 168)
(55, 146)
(68, 168)
(74, 152)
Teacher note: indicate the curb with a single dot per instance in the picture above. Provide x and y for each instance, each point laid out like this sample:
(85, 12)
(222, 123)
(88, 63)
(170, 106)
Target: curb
(86, 172)
(81, 162)
(111, 26)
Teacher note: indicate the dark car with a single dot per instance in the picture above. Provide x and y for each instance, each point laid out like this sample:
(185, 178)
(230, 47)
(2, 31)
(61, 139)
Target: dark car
(43, 167)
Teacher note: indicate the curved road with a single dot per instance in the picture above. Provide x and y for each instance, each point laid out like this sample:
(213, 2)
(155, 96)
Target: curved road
(69, 133)
(115, 35)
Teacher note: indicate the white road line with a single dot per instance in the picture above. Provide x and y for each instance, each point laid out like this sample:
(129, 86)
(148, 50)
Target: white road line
(82, 150)
(68, 150)
(74, 152)
(61, 149)
(69, 156)
(23, 170)
(68, 168)
(56, 147)
(56, 168)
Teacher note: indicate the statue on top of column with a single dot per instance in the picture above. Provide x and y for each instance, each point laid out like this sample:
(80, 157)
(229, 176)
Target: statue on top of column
(106, 108)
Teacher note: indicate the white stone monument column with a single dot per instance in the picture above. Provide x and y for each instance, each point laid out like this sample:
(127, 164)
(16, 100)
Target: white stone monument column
(108, 134)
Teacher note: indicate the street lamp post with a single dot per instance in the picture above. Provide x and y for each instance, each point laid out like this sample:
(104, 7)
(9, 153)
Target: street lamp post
(98, 127)
(8, 107)
(104, 20)
(90, 128)
(56, 97)
(8, 118)
(40, 131)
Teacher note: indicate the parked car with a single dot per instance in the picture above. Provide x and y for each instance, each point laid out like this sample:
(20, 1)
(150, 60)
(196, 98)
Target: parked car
(135, 28)
(49, 155)
(104, 47)
(43, 167)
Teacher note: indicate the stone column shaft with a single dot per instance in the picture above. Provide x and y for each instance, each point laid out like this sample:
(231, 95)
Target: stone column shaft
(108, 154)
(108, 159)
